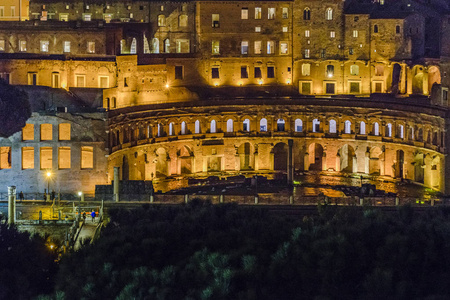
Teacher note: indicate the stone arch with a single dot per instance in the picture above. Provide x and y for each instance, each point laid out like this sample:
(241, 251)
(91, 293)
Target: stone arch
(434, 77)
(280, 156)
(417, 80)
(374, 160)
(246, 156)
(347, 159)
(186, 160)
(161, 163)
(315, 151)
(419, 165)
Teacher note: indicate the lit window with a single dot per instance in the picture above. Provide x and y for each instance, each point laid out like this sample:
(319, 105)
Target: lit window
(161, 20)
(307, 33)
(28, 132)
(167, 46)
(388, 132)
(330, 71)
(244, 47)
(258, 29)
(246, 125)
(133, 47)
(46, 158)
(107, 18)
(215, 20)
(270, 47)
(44, 46)
(306, 69)
(27, 158)
(64, 131)
(46, 132)
(182, 45)
(354, 70)
(213, 127)
(23, 46)
(263, 125)
(316, 125)
(329, 14)
(307, 53)
(183, 21)
(87, 17)
(332, 126)
(64, 157)
(332, 34)
(284, 48)
(285, 13)
(2, 45)
(67, 46)
(298, 126)
(258, 45)
(244, 13)
(13, 11)
(64, 17)
(87, 157)
(271, 13)
(215, 47)
(257, 13)
(91, 47)
(355, 33)
(5, 157)
(285, 29)
(347, 127)
(362, 128)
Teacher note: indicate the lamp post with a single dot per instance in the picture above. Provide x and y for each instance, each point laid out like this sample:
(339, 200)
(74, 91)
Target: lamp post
(49, 174)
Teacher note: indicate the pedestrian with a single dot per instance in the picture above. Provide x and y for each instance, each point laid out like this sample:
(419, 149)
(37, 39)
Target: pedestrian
(53, 195)
(45, 196)
(84, 216)
(21, 196)
(93, 216)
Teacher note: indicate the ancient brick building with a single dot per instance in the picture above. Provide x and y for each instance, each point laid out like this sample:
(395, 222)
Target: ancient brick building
(208, 87)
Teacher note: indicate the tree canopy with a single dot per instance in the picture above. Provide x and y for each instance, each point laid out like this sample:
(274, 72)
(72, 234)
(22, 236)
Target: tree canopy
(14, 109)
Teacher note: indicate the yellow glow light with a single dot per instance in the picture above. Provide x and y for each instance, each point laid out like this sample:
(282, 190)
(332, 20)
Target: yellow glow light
(288, 81)
(330, 75)
(240, 83)
(49, 174)
(80, 193)
(216, 84)
(167, 85)
(260, 82)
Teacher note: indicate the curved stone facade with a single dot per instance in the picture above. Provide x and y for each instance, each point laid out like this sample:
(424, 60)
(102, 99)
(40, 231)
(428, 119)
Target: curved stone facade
(399, 138)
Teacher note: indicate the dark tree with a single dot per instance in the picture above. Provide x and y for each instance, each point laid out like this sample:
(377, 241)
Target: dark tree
(14, 109)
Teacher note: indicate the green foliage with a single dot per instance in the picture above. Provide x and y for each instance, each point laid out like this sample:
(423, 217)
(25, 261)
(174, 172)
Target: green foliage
(204, 251)
(26, 265)
(14, 109)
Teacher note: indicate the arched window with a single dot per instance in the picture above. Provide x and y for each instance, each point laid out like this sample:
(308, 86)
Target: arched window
(298, 125)
(316, 125)
(183, 127)
(354, 70)
(246, 125)
(230, 125)
(400, 131)
(263, 125)
(330, 71)
(347, 127)
(306, 14)
(362, 128)
(280, 124)
(411, 135)
(388, 130)
(329, 14)
(122, 46)
(171, 128)
(155, 45)
(213, 126)
(197, 126)
(160, 130)
(375, 28)
(167, 46)
(161, 20)
(182, 20)
(376, 129)
(133, 46)
(332, 126)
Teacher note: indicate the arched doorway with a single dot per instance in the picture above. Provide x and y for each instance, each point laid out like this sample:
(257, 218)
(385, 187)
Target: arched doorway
(186, 158)
(246, 156)
(347, 158)
(315, 157)
(419, 167)
(280, 154)
(374, 160)
(417, 82)
(161, 167)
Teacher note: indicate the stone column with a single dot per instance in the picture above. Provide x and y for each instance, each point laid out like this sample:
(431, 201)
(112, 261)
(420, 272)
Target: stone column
(116, 184)
(367, 162)
(306, 161)
(290, 167)
(382, 171)
(324, 161)
(11, 205)
(338, 162)
(355, 164)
